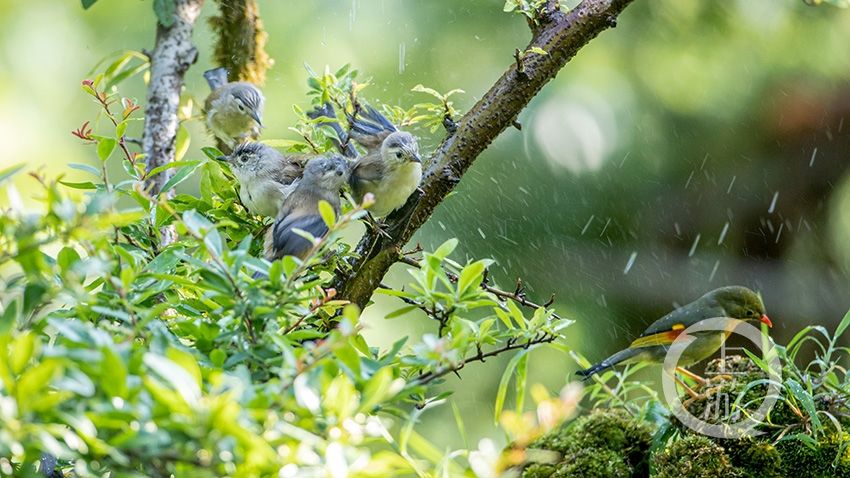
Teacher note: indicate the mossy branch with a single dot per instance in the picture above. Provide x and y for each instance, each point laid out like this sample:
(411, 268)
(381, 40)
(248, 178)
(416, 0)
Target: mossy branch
(241, 41)
(561, 36)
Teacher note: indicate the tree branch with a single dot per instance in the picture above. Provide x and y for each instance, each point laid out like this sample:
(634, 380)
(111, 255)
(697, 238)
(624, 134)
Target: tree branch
(518, 295)
(172, 56)
(241, 41)
(481, 356)
(561, 35)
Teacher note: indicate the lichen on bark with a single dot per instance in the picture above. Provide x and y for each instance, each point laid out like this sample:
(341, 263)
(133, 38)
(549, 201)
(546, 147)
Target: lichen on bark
(241, 42)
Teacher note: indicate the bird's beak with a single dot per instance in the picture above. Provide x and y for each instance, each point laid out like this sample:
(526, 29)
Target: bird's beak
(256, 117)
(764, 319)
(221, 158)
(416, 158)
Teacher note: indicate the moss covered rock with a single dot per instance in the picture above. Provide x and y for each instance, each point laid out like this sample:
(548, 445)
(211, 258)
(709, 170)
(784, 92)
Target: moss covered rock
(694, 456)
(604, 444)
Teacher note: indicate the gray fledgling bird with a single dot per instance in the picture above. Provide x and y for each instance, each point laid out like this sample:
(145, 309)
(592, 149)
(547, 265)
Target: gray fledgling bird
(233, 110)
(391, 169)
(323, 179)
(266, 176)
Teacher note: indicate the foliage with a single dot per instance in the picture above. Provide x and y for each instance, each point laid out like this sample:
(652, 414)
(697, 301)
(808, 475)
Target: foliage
(199, 358)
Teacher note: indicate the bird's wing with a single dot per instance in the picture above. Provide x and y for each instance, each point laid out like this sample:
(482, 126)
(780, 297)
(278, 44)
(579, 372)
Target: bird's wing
(286, 242)
(370, 128)
(366, 174)
(665, 330)
(288, 172)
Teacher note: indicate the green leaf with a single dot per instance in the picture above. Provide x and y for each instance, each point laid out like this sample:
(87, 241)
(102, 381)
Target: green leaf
(180, 176)
(805, 399)
(22, 350)
(212, 153)
(66, 258)
(537, 50)
(33, 383)
(471, 276)
(88, 3)
(502, 393)
(85, 185)
(445, 249)
(187, 361)
(86, 168)
(521, 382)
(105, 147)
(842, 326)
(182, 143)
(165, 10)
(114, 379)
(176, 376)
(10, 171)
(327, 213)
(400, 312)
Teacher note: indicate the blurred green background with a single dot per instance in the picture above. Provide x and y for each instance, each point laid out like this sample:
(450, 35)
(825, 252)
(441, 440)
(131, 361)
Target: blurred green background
(698, 144)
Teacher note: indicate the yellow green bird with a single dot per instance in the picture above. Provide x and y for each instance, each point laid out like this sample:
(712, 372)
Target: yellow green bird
(733, 302)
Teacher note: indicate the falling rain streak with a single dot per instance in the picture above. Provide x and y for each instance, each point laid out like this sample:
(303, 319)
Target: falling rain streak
(630, 263)
(773, 203)
(723, 233)
(694, 245)
(401, 56)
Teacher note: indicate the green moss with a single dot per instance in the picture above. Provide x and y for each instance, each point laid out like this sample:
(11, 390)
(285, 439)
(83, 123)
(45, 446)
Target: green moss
(694, 456)
(608, 443)
(799, 459)
(754, 458)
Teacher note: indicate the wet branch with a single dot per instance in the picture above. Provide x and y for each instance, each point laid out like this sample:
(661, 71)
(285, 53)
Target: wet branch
(518, 295)
(561, 35)
(481, 356)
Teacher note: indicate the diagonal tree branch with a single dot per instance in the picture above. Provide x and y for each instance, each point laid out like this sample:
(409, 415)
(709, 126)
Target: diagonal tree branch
(561, 35)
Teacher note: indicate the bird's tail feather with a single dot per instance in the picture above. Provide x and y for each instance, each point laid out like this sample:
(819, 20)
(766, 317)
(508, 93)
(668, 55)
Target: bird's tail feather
(216, 77)
(607, 363)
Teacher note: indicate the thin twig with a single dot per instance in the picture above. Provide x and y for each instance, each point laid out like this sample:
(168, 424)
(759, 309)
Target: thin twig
(426, 378)
(517, 296)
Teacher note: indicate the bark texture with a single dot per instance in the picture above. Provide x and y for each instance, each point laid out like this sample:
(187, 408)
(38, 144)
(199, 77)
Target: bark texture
(241, 41)
(173, 54)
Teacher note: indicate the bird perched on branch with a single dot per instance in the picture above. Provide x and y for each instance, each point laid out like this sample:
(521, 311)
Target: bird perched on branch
(266, 176)
(323, 179)
(391, 169)
(732, 302)
(233, 110)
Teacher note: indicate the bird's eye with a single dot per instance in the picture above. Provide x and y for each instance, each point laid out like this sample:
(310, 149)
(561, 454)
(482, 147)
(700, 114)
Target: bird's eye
(244, 159)
(240, 106)
(398, 155)
(749, 313)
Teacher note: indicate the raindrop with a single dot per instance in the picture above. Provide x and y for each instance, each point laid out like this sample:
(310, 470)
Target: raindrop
(694, 246)
(773, 203)
(731, 183)
(723, 233)
(714, 270)
(481, 233)
(401, 54)
(352, 15)
(604, 228)
(589, 221)
(779, 234)
(814, 154)
(630, 263)
(688, 182)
